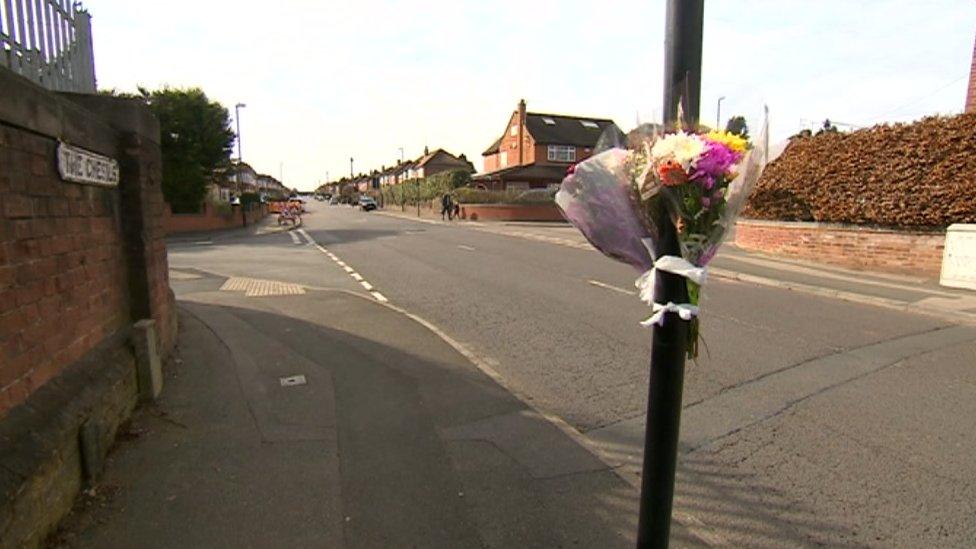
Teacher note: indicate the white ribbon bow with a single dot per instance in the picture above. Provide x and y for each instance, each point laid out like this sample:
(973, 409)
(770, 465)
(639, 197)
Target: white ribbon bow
(684, 310)
(670, 264)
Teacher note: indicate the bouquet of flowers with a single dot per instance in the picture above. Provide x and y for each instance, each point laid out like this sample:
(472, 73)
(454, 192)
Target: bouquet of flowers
(702, 179)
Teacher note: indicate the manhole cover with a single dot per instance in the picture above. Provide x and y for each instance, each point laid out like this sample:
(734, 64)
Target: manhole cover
(291, 381)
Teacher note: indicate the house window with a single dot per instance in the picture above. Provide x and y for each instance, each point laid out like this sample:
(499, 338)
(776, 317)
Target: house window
(514, 130)
(590, 124)
(562, 153)
(549, 121)
(503, 159)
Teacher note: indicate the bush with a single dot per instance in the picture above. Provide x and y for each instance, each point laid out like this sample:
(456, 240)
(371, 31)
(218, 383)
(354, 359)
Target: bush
(479, 196)
(902, 175)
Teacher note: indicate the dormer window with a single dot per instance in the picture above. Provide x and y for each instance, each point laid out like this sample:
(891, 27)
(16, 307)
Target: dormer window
(549, 121)
(590, 124)
(514, 131)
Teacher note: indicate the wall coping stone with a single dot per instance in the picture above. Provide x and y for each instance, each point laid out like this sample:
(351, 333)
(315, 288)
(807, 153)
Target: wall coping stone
(842, 227)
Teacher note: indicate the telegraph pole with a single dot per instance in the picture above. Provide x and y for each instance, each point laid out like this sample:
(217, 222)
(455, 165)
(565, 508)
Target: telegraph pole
(682, 84)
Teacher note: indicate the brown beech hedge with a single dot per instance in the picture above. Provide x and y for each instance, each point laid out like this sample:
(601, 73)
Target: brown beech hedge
(903, 175)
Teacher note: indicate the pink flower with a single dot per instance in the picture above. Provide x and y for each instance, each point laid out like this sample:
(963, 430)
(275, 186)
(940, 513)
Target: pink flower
(716, 161)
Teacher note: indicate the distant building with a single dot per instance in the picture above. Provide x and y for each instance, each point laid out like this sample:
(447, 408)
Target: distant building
(536, 149)
(971, 95)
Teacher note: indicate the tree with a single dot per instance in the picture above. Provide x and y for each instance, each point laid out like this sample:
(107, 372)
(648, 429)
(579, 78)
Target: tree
(738, 126)
(195, 137)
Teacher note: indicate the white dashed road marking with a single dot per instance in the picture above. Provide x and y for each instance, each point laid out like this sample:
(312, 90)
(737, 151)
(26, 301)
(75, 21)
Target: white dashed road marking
(463, 247)
(610, 287)
(352, 272)
(294, 237)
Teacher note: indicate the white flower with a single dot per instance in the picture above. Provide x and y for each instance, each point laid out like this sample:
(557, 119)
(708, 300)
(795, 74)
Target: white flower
(681, 147)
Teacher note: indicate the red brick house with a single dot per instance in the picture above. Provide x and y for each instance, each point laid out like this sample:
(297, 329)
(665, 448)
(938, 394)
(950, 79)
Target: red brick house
(438, 161)
(536, 149)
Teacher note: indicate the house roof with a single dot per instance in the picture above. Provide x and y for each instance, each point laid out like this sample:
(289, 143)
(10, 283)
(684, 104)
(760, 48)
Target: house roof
(558, 129)
(494, 147)
(536, 172)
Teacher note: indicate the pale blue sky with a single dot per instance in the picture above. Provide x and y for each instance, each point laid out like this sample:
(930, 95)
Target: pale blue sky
(327, 80)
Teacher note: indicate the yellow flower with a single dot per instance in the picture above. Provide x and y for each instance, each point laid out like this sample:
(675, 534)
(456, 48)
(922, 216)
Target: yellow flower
(730, 140)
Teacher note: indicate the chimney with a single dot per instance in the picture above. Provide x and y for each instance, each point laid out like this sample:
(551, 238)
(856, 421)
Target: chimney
(971, 95)
(521, 131)
(426, 150)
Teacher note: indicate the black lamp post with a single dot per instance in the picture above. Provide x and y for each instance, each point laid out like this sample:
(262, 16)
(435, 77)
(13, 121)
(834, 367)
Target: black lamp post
(682, 84)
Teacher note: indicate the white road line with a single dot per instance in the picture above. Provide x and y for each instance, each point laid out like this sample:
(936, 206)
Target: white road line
(352, 272)
(308, 238)
(294, 237)
(610, 287)
(463, 247)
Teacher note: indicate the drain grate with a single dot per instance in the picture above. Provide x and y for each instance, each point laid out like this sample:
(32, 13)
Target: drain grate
(255, 287)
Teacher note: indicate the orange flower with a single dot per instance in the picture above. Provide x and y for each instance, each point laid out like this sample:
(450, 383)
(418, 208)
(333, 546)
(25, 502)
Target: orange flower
(671, 173)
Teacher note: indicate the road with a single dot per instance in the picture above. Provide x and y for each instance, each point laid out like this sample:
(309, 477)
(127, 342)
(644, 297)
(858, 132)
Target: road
(807, 420)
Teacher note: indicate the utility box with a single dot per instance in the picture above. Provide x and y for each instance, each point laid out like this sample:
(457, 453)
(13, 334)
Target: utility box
(959, 257)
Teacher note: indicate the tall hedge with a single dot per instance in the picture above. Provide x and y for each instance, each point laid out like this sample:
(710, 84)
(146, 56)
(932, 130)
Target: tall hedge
(903, 175)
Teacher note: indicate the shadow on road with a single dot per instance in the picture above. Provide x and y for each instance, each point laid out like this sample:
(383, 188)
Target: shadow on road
(395, 440)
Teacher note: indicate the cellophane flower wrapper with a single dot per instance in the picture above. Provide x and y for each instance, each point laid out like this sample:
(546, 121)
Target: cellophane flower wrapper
(597, 198)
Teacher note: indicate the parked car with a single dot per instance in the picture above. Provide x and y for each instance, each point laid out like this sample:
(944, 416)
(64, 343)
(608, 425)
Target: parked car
(367, 203)
(334, 201)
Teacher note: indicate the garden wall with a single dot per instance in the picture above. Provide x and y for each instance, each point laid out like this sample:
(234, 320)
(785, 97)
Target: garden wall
(79, 265)
(511, 212)
(916, 253)
(210, 219)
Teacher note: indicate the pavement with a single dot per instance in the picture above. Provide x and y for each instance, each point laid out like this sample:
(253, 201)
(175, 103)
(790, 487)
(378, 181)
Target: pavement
(486, 384)
(390, 438)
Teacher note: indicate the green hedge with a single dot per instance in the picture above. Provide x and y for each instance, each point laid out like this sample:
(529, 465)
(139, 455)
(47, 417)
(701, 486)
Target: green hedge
(479, 196)
(426, 189)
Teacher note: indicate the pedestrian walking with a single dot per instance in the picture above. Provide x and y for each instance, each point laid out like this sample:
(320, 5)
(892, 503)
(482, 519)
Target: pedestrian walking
(447, 207)
(457, 209)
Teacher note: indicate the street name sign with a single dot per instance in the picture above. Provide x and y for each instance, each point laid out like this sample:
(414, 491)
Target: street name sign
(81, 166)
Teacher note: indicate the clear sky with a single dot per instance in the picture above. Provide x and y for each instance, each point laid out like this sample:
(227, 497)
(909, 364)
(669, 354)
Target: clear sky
(328, 80)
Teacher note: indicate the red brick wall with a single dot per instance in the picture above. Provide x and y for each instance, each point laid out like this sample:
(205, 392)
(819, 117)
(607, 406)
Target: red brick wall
(63, 283)
(971, 94)
(209, 220)
(902, 252)
(510, 212)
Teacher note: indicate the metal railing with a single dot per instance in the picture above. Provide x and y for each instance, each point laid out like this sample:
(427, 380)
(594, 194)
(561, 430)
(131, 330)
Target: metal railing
(49, 42)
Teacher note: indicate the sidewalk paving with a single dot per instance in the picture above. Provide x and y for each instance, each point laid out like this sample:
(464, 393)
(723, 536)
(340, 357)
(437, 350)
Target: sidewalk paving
(919, 294)
(393, 440)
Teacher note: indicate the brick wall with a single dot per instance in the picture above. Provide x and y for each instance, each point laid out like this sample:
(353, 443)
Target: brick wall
(78, 263)
(971, 93)
(210, 219)
(902, 252)
(63, 284)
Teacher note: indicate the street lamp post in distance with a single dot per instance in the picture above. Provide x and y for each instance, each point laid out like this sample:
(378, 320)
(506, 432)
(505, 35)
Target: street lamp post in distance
(240, 160)
(718, 114)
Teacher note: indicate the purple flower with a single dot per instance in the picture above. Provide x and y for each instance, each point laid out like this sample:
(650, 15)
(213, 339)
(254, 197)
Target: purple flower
(706, 202)
(715, 161)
